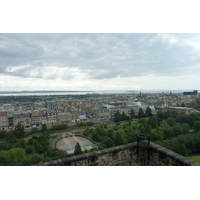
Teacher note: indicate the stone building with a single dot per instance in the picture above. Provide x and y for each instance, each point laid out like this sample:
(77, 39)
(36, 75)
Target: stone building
(35, 118)
(3, 120)
(23, 118)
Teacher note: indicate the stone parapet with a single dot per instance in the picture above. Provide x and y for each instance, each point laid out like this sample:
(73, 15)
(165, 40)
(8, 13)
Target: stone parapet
(125, 155)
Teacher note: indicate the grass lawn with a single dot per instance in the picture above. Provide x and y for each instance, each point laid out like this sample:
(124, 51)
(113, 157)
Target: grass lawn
(77, 132)
(54, 136)
(194, 158)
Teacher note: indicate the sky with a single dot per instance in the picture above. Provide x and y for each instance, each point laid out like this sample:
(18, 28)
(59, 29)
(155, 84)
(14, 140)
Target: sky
(119, 61)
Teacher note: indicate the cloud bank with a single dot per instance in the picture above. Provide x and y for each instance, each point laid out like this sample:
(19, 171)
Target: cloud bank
(99, 61)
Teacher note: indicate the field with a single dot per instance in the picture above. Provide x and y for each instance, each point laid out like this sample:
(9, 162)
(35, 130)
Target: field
(194, 158)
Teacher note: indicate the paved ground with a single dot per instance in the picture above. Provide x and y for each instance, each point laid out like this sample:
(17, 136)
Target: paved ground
(69, 143)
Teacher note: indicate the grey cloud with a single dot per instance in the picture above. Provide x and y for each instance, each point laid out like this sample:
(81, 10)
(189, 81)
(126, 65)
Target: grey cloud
(99, 55)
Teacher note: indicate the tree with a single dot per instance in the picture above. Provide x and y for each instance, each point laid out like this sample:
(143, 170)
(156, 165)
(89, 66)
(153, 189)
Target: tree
(171, 121)
(107, 142)
(182, 105)
(123, 116)
(153, 122)
(160, 114)
(196, 125)
(2, 134)
(34, 130)
(149, 112)
(15, 155)
(157, 135)
(118, 139)
(141, 113)
(29, 149)
(77, 150)
(30, 141)
(117, 116)
(177, 130)
(44, 127)
(10, 137)
(132, 114)
(168, 131)
(19, 131)
(185, 128)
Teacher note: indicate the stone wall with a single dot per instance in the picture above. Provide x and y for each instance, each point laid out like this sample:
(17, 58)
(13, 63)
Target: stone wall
(126, 155)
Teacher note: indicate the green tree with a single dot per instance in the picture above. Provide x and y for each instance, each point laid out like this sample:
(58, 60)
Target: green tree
(171, 121)
(34, 130)
(196, 125)
(19, 131)
(123, 116)
(44, 127)
(132, 114)
(30, 141)
(177, 130)
(182, 105)
(157, 135)
(77, 150)
(168, 131)
(160, 114)
(29, 149)
(10, 137)
(2, 134)
(110, 134)
(149, 112)
(107, 142)
(153, 122)
(36, 158)
(141, 113)
(185, 128)
(117, 116)
(15, 155)
(118, 139)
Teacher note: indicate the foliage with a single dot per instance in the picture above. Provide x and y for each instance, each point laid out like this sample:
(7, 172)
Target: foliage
(160, 115)
(171, 121)
(19, 131)
(196, 125)
(30, 141)
(168, 131)
(29, 149)
(90, 123)
(153, 121)
(10, 137)
(34, 130)
(59, 127)
(149, 112)
(186, 144)
(2, 134)
(117, 117)
(77, 150)
(13, 156)
(132, 114)
(44, 127)
(141, 113)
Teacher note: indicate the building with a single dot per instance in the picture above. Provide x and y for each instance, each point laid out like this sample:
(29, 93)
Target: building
(35, 118)
(23, 118)
(191, 93)
(3, 120)
(182, 109)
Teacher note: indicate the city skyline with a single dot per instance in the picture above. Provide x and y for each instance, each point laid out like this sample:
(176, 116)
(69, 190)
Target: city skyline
(88, 62)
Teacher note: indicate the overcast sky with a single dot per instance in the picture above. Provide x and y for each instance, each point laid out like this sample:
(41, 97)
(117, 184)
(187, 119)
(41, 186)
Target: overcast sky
(99, 61)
